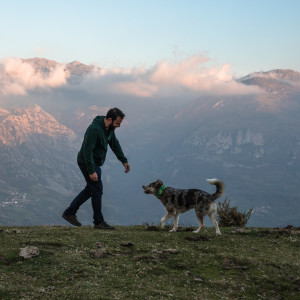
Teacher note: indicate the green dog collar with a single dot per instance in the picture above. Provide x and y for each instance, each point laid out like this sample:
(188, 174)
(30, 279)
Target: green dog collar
(160, 191)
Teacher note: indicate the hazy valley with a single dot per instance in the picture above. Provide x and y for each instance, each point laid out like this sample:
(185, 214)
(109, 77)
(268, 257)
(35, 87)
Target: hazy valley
(251, 141)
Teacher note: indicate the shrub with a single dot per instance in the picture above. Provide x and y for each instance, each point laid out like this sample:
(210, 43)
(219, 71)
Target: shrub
(230, 216)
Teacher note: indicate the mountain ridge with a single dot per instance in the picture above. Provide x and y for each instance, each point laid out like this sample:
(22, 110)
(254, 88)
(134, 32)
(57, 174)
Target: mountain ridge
(15, 127)
(284, 74)
(45, 66)
(274, 82)
(77, 68)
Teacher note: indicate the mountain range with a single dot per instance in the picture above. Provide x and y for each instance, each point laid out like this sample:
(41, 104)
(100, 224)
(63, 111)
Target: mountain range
(251, 142)
(45, 66)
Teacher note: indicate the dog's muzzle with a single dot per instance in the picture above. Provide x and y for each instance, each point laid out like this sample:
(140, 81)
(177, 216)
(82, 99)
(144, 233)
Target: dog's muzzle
(145, 190)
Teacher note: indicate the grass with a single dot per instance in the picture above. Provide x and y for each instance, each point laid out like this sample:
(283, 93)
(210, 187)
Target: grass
(137, 263)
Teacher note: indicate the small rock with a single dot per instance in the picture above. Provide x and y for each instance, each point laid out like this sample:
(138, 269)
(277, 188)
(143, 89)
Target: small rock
(99, 253)
(156, 251)
(240, 230)
(173, 251)
(100, 245)
(29, 252)
(198, 279)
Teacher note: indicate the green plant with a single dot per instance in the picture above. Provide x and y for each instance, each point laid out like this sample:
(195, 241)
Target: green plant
(230, 216)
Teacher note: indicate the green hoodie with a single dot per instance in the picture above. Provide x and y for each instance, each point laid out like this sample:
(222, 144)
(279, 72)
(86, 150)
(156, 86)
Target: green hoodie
(94, 145)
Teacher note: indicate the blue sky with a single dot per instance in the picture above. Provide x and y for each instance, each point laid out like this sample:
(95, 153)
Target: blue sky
(249, 35)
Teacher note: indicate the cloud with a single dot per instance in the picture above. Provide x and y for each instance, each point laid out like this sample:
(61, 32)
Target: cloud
(137, 88)
(17, 77)
(194, 76)
(188, 77)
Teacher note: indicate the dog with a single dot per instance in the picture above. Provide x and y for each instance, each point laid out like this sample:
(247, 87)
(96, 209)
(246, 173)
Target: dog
(178, 201)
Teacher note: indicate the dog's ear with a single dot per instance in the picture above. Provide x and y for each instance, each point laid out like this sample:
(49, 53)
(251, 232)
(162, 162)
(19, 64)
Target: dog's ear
(159, 181)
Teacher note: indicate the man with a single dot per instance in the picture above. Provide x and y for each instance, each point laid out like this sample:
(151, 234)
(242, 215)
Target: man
(91, 157)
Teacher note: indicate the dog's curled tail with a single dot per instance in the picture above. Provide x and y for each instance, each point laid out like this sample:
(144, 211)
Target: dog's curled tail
(220, 187)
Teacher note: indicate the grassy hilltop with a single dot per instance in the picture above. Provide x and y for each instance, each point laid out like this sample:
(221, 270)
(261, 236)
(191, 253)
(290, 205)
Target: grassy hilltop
(137, 262)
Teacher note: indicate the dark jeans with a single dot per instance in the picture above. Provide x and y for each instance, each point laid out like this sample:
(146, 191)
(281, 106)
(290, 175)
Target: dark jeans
(94, 190)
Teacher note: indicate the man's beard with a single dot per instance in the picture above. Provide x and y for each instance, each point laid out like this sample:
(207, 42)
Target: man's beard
(111, 127)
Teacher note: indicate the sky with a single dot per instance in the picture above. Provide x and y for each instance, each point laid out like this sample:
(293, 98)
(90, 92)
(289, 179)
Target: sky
(248, 36)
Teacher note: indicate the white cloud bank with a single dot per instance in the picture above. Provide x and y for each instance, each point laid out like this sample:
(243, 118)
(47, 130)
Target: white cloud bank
(189, 77)
(18, 77)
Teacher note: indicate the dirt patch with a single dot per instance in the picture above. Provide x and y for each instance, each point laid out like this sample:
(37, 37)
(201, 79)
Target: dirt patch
(201, 238)
(129, 244)
(152, 228)
(230, 263)
(38, 243)
(288, 230)
(186, 229)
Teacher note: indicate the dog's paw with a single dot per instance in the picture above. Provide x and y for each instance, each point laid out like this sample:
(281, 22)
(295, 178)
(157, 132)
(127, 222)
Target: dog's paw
(218, 233)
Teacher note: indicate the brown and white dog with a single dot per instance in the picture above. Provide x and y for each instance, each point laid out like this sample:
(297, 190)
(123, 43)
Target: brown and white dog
(178, 201)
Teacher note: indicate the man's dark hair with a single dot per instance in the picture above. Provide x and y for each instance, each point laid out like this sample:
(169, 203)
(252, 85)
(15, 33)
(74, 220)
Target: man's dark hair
(113, 113)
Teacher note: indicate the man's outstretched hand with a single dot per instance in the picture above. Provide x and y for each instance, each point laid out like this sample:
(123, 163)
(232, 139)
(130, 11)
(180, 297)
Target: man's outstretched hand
(127, 167)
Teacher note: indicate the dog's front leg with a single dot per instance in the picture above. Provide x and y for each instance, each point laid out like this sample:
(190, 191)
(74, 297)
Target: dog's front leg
(164, 218)
(175, 226)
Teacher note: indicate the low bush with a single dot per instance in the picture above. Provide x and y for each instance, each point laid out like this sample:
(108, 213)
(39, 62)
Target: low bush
(230, 216)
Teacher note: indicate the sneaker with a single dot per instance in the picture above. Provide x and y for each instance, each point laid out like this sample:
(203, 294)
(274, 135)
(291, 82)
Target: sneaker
(71, 219)
(104, 225)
